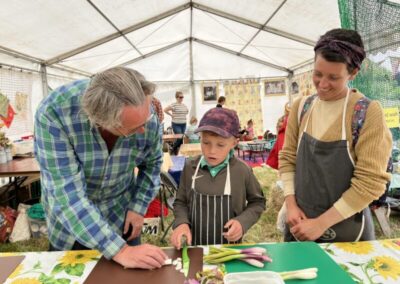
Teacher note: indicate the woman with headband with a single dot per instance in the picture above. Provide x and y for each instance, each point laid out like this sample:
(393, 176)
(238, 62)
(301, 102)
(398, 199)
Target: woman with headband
(337, 146)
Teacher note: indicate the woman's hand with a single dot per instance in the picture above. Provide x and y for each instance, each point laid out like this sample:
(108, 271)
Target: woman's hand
(294, 215)
(176, 237)
(312, 229)
(308, 230)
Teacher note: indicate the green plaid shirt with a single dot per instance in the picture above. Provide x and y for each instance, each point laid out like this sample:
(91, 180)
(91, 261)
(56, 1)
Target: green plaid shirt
(86, 190)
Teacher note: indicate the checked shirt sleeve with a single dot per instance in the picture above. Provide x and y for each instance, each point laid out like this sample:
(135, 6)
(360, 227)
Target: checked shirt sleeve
(148, 179)
(64, 187)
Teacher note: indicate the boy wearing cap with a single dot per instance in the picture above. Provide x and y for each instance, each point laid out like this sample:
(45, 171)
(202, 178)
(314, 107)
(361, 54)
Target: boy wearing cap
(219, 198)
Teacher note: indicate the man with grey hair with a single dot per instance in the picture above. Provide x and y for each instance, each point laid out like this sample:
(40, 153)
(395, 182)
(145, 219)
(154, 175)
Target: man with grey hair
(89, 137)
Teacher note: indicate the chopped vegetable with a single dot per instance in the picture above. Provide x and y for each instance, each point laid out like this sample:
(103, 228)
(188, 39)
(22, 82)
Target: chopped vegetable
(168, 261)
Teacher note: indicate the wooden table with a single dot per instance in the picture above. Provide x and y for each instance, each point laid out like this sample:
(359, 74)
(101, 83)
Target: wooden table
(20, 167)
(171, 137)
(366, 262)
(21, 172)
(189, 150)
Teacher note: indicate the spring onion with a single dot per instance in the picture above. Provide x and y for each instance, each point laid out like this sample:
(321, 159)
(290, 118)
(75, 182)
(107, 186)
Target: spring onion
(255, 256)
(309, 273)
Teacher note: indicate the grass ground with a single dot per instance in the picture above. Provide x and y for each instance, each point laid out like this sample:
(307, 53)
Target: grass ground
(263, 231)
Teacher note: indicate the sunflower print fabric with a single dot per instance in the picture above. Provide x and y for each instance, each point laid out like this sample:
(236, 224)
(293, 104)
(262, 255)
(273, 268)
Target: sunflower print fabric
(368, 262)
(68, 267)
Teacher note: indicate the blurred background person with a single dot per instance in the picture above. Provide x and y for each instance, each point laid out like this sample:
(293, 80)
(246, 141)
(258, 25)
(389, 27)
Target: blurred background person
(178, 111)
(221, 101)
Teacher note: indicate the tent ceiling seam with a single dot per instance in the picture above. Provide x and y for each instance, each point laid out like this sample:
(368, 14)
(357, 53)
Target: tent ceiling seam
(263, 26)
(154, 52)
(253, 24)
(113, 25)
(39, 61)
(242, 55)
(30, 70)
(110, 37)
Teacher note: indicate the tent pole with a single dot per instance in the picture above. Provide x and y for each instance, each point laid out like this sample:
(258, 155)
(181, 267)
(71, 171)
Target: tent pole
(43, 75)
(289, 88)
(193, 110)
(263, 26)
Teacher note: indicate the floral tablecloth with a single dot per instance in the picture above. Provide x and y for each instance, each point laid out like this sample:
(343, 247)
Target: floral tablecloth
(366, 262)
(53, 267)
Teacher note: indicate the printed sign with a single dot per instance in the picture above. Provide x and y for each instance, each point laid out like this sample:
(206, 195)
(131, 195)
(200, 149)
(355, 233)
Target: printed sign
(392, 117)
(151, 226)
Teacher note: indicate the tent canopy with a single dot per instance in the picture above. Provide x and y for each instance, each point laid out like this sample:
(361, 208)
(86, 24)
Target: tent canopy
(174, 40)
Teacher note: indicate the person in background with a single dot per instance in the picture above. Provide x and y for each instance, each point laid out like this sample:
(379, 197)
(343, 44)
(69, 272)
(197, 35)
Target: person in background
(221, 101)
(219, 198)
(329, 174)
(159, 111)
(249, 130)
(190, 136)
(89, 136)
(273, 157)
(178, 111)
(157, 108)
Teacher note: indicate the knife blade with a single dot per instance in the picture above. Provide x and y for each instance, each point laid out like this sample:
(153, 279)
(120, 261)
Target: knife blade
(185, 258)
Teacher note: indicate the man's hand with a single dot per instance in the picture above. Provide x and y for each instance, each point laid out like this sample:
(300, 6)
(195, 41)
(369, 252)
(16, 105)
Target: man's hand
(235, 230)
(176, 237)
(141, 256)
(136, 221)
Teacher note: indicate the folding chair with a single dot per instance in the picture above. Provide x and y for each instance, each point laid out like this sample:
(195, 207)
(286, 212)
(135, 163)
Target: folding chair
(168, 192)
(257, 149)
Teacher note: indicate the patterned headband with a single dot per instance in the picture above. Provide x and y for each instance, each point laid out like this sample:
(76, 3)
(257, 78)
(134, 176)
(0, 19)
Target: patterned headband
(354, 54)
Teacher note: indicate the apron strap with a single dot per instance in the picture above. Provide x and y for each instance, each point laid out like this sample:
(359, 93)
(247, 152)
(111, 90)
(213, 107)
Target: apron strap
(343, 119)
(227, 189)
(344, 115)
(195, 173)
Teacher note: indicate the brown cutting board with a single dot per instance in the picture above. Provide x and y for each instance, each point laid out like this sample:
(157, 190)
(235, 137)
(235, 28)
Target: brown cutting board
(107, 271)
(8, 265)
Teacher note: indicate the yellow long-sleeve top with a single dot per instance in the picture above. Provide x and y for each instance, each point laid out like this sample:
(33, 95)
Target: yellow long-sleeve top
(370, 154)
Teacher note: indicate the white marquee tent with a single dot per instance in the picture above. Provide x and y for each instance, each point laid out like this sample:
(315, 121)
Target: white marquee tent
(177, 43)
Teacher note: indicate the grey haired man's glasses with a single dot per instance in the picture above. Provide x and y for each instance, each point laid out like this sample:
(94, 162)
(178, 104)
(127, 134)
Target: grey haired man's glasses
(133, 131)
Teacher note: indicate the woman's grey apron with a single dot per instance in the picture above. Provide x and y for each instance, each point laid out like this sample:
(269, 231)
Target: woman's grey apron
(323, 173)
(209, 213)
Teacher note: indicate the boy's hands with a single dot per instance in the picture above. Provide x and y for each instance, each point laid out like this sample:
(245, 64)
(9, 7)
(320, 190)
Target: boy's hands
(181, 230)
(141, 256)
(235, 230)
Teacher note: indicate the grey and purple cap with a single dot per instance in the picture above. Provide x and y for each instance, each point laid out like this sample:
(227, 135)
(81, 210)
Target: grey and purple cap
(221, 121)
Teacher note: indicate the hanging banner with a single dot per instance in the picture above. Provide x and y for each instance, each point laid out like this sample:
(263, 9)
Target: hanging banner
(244, 97)
(10, 116)
(392, 117)
(3, 105)
(21, 104)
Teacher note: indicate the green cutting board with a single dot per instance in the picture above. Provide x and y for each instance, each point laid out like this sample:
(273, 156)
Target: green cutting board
(294, 256)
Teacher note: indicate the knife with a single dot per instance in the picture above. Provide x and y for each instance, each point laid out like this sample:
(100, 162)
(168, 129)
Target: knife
(185, 257)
